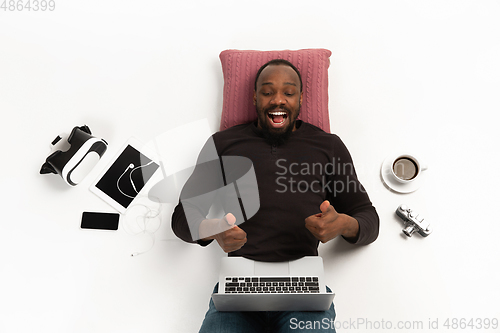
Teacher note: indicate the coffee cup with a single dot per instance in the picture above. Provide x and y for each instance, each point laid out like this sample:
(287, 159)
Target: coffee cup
(406, 168)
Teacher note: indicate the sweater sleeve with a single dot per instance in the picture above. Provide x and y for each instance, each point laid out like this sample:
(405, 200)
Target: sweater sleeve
(181, 228)
(348, 196)
(198, 195)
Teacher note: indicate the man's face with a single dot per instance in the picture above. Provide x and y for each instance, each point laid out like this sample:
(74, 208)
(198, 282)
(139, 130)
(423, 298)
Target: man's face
(277, 99)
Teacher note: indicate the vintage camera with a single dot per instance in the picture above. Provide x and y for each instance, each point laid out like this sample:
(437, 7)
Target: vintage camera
(413, 222)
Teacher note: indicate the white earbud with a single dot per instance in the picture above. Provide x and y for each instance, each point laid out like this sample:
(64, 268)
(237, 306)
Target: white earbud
(130, 166)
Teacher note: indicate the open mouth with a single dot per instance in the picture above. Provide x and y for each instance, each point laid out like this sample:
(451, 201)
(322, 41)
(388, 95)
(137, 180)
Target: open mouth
(277, 117)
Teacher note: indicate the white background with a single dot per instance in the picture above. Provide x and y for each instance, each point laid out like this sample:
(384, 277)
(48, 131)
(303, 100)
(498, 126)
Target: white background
(419, 76)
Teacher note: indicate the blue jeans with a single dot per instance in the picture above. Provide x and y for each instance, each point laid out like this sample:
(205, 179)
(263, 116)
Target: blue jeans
(267, 321)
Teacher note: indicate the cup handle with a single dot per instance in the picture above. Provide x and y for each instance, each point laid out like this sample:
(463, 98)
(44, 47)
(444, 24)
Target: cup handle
(424, 167)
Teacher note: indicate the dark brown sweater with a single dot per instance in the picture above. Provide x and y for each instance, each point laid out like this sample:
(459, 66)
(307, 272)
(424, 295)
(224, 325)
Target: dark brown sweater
(293, 180)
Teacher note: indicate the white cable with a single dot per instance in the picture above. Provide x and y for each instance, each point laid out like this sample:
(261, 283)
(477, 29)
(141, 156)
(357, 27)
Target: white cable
(131, 166)
(144, 223)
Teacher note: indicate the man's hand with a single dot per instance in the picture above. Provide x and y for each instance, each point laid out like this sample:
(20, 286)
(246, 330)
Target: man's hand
(229, 236)
(329, 224)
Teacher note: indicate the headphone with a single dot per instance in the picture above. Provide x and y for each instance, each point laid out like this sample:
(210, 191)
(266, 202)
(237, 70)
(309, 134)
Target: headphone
(142, 220)
(147, 222)
(130, 166)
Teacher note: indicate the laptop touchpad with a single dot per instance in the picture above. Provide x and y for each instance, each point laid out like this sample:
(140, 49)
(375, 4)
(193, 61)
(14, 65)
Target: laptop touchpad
(272, 268)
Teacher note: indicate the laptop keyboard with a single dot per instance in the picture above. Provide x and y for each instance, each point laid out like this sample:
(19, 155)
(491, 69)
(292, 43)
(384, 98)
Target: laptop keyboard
(266, 284)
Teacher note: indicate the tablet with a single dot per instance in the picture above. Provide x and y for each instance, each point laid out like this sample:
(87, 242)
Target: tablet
(126, 175)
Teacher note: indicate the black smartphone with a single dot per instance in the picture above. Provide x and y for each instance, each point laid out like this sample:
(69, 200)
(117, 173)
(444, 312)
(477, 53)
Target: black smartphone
(95, 220)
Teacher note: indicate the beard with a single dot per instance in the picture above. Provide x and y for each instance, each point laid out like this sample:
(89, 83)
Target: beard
(273, 136)
(276, 138)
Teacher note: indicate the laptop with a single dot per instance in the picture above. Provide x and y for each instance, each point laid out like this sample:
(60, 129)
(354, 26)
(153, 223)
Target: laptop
(248, 285)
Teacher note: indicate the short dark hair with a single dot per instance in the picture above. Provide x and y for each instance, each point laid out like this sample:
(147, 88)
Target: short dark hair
(278, 62)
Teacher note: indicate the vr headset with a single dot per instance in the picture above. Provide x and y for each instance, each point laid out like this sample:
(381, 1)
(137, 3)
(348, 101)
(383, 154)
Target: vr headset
(76, 162)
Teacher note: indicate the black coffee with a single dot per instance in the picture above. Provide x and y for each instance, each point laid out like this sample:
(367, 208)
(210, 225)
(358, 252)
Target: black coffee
(405, 168)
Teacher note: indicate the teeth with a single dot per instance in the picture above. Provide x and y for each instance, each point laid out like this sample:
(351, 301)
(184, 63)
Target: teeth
(277, 113)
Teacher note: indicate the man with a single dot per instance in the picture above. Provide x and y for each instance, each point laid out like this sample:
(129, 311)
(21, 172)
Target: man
(308, 190)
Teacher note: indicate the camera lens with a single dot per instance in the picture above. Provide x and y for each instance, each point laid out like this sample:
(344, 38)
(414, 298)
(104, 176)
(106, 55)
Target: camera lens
(409, 230)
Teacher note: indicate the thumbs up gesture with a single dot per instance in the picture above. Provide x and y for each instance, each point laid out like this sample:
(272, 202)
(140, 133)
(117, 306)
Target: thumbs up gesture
(229, 236)
(329, 224)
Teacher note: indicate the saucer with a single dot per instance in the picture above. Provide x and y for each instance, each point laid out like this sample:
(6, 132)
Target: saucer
(393, 184)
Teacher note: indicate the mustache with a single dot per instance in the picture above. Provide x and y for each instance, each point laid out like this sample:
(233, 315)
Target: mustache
(281, 108)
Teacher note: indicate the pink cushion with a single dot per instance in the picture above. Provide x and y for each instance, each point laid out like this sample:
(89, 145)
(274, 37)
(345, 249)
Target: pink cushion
(239, 69)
